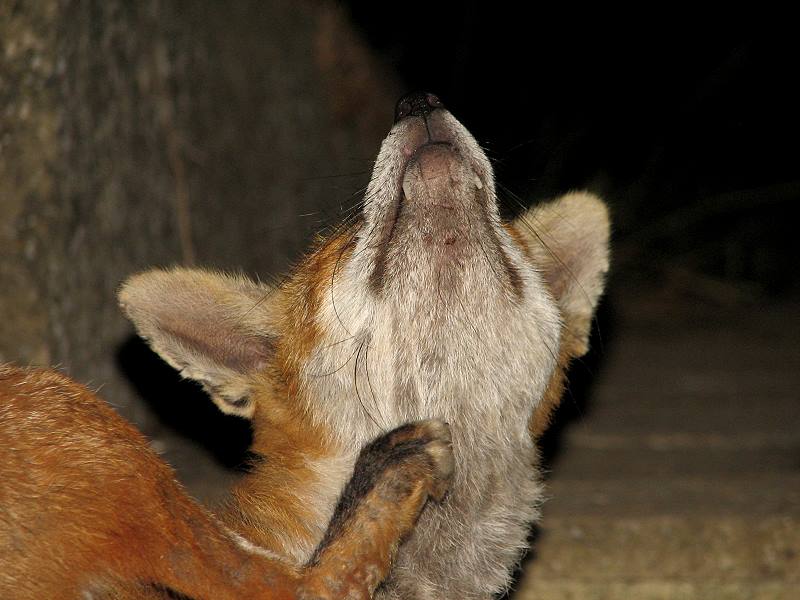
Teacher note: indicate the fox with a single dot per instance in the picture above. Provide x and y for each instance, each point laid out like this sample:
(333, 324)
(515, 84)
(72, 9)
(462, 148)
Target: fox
(426, 305)
(88, 510)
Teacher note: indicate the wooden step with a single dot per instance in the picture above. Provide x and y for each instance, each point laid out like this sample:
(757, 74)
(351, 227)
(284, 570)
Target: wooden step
(657, 590)
(694, 550)
(685, 457)
(768, 494)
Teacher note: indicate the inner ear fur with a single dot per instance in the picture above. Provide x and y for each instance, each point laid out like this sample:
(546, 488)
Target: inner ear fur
(214, 328)
(568, 240)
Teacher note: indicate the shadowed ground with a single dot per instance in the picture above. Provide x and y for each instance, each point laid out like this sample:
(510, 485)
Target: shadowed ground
(681, 476)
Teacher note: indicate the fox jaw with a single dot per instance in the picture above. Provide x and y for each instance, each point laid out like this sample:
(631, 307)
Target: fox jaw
(427, 306)
(437, 309)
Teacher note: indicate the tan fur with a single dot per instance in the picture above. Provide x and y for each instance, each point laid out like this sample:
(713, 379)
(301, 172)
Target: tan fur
(579, 282)
(427, 306)
(87, 510)
(568, 239)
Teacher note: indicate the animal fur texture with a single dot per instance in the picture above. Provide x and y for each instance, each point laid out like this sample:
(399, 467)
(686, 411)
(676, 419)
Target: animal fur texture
(88, 511)
(428, 305)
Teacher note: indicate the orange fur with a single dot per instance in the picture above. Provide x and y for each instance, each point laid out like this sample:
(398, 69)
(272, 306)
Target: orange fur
(553, 393)
(286, 431)
(84, 497)
(88, 508)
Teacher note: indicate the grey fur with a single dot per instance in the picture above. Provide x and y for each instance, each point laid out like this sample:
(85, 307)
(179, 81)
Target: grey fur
(447, 338)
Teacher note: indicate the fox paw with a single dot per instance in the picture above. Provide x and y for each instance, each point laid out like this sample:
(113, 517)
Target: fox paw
(428, 441)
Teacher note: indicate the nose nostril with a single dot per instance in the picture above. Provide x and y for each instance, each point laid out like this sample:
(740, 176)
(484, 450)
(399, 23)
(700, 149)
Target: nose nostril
(403, 110)
(417, 104)
(433, 101)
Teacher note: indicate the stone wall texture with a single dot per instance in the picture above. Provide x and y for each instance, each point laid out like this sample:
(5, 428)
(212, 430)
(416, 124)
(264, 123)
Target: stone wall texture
(135, 134)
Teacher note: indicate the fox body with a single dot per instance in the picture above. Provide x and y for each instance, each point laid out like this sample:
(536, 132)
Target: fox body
(427, 306)
(87, 510)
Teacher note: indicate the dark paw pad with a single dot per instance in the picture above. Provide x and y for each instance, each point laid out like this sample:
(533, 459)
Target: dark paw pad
(430, 440)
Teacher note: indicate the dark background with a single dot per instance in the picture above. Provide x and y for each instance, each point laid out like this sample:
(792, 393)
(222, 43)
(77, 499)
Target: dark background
(688, 127)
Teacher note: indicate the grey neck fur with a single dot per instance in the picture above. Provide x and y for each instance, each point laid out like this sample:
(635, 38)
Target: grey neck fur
(445, 336)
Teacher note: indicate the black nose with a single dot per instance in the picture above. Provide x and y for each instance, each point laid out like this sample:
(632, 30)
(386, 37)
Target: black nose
(416, 104)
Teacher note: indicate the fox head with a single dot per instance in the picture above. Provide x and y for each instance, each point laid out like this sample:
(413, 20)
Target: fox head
(428, 305)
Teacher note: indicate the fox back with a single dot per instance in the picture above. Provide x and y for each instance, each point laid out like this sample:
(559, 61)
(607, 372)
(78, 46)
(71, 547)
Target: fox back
(428, 305)
(87, 510)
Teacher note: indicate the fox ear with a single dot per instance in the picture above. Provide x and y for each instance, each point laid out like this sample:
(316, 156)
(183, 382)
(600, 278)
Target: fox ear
(568, 239)
(213, 328)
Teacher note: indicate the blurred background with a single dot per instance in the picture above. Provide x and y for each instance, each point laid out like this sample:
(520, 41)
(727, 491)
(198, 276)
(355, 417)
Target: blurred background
(159, 133)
